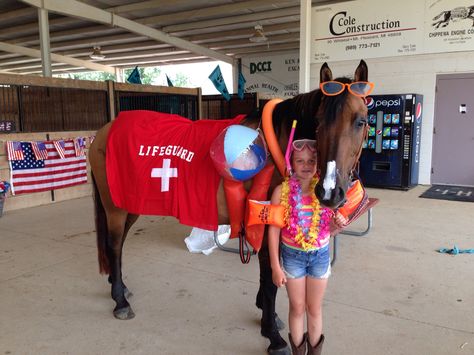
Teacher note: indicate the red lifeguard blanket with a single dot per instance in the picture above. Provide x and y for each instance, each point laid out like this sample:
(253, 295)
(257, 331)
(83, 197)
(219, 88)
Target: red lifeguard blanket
(159, 164)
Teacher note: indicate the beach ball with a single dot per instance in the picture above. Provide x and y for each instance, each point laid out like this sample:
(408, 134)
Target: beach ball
(239, 152)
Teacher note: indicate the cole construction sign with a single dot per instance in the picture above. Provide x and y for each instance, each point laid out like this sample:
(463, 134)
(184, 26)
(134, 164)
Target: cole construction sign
(374, 29)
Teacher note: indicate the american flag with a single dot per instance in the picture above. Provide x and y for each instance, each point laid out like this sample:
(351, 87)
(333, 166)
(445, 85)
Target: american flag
(40, 151)
(31, 175)
(60, 148)
(79, 145)
(14, 151)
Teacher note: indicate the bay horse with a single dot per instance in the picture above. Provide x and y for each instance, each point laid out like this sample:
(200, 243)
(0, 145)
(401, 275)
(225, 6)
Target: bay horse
(338, 123)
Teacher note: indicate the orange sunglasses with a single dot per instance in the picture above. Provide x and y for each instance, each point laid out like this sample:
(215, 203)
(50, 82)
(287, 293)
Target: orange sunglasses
(357, 88)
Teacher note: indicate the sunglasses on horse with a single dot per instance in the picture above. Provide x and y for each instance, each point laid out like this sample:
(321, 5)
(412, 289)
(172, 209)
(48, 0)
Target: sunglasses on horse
(357, 88)
(299, 144)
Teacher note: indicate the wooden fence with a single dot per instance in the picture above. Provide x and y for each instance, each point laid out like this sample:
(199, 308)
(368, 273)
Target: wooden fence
(37, 108)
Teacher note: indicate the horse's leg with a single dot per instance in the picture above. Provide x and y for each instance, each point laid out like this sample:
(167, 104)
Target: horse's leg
(131, 219)
(116, 223)
(111, 225)
(266, 301)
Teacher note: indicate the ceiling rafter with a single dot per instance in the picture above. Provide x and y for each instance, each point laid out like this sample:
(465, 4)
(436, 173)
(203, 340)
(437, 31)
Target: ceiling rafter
(149, 44)
(56, 57)
(81, 10)
(219, 26)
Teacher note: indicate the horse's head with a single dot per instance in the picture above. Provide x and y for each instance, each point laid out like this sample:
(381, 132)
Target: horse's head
(341, 130)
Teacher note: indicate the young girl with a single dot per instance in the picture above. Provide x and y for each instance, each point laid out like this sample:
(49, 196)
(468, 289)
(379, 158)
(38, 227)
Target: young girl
(304, 266)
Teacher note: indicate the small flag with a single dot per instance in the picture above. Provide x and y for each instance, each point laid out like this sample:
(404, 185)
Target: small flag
(39, 150)
(79, 146)
(60, 148)
(170, 83)
(134, 77)
(15, 152)
(218, 81)
(241, 88)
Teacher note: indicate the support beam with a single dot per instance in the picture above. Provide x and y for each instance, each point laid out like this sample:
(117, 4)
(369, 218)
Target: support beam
(305, 46)
(7, 47)
(78, 9)
(44, 42)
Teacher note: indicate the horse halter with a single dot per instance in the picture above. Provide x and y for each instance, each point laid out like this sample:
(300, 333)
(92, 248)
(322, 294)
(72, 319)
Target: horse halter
(359, 151)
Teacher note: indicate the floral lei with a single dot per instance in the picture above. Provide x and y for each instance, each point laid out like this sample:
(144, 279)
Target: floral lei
(291, 201)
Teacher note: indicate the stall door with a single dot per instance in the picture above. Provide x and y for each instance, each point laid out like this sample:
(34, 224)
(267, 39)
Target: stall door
(453, 133)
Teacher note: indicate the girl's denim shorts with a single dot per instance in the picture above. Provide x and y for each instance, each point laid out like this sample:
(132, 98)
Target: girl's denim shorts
(299, 263)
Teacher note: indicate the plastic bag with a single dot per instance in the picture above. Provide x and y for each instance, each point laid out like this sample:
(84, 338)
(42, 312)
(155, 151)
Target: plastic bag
(202, 240)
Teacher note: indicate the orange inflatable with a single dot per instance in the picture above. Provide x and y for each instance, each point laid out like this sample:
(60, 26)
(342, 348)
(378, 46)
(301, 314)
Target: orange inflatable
(264, 213)
(270, 137)
(258, 191)
(355, 195)
(235, 195)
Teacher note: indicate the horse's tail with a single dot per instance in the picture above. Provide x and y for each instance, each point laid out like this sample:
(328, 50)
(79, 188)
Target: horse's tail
(101, 230)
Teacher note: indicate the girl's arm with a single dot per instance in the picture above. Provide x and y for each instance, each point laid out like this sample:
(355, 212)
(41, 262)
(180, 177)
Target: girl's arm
(278, 275)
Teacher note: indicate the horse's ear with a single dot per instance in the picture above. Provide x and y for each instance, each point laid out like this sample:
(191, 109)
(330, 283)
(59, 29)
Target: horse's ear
(362, 72)
(325, 73)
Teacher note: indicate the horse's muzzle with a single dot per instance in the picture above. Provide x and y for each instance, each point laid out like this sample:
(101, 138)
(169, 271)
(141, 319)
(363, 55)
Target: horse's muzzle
(336, 199)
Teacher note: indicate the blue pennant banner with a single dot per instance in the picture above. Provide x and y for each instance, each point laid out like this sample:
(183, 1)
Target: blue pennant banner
(241, 89)
(134, 77)
(218, 81)
(170, 83)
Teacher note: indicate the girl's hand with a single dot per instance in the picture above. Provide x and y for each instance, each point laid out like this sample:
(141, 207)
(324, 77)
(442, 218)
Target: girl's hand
(340, 220)
(278, 277)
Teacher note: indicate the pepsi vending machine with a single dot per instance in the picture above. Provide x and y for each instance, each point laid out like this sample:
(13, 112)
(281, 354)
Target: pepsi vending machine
(391, 155)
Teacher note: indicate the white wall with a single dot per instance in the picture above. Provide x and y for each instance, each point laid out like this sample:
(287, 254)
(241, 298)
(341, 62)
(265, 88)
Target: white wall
(408, 74)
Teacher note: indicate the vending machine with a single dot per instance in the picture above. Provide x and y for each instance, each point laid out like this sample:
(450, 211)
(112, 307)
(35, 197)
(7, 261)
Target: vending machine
(391, 154)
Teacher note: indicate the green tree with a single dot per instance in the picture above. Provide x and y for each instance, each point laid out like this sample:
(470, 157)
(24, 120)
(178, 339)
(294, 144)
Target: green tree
(181, 80)
(92, 75)
(147, 75)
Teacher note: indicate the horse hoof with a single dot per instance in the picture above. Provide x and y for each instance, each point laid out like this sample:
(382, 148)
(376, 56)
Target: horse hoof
(281, 351)
(279, 323)
(128, 294)
(124, 313)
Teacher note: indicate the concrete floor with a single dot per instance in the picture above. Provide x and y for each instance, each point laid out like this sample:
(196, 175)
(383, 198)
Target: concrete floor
(390, 292)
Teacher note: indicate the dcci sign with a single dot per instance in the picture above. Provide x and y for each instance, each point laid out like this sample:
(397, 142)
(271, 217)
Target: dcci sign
(275, 75)
(260, 67)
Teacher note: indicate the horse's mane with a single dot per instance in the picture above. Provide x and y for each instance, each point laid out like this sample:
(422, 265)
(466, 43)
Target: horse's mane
(304, 108)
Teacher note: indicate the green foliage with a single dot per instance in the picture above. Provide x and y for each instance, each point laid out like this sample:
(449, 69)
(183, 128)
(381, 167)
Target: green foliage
(92, 75)
(181, 80)
(147, 75)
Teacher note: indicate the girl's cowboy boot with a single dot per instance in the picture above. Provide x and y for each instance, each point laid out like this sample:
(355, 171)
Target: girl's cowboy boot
(318, 348)
(301, 349)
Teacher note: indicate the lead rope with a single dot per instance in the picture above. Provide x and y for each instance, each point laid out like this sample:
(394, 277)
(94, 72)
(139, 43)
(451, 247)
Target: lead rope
(244, 250)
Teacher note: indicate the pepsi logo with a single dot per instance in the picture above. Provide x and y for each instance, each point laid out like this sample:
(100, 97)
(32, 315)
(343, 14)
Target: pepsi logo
(378, 132)
(418, 111)
(370, 102)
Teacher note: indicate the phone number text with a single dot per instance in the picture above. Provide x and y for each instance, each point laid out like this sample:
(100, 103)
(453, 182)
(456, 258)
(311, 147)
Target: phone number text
(354, 47)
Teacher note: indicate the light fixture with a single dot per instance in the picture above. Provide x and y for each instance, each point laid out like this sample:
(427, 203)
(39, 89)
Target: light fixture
(258, 36)
(96, 54)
